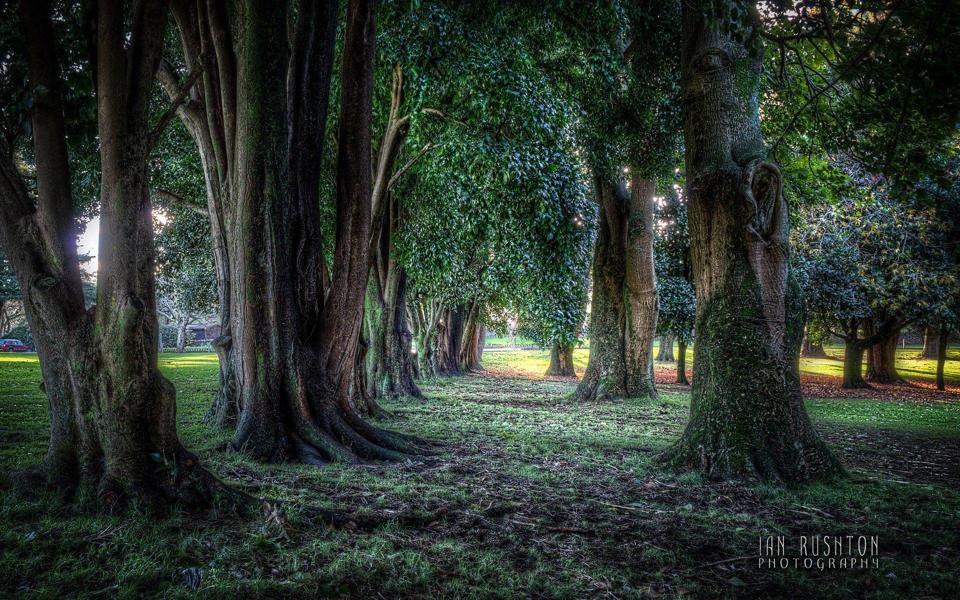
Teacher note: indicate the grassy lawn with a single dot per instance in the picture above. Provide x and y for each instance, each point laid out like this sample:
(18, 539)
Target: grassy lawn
(529, 495)
(533, 363)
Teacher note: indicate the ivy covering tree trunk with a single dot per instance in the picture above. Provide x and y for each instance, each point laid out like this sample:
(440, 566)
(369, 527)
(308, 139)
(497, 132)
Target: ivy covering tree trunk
(747, 417)
(623, 316)
(561, 362)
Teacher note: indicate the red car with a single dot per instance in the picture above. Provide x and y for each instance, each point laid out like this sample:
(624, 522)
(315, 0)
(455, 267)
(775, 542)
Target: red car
(13, 346)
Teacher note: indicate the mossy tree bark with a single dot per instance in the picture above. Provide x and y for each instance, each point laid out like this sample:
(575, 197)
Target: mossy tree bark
(424, 315)
(296, 324)
(113, 425)
(747, 418)
(388, 366)
(624, 303)
(561, 362)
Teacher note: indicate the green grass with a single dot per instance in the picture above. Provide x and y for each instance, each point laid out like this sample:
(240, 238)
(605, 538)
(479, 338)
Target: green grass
(530, 496)
(533, 363)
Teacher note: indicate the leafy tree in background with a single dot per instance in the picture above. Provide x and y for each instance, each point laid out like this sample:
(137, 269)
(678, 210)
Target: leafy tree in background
(870, 267)
(186, 277)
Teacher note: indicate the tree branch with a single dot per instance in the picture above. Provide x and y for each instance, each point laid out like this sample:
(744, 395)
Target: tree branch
(176, 100)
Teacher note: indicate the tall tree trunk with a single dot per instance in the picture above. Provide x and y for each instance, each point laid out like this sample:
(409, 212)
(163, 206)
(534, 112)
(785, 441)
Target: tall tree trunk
(853, 366)
(747, 417)
(942, 339)
(931, 342)
(640, 290)
(112, 415)
(389, 362)
(296, 327)
(208, 112)
(136, 410)
(561, 362)
(882, 360)
(426, 315)
(624, 307)
(665, 353)
(682, 363)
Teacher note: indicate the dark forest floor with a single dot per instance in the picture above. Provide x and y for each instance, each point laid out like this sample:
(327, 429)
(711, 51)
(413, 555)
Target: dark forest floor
(530, 495)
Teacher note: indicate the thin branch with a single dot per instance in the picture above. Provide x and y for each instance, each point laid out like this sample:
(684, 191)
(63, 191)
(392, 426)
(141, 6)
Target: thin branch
(180, 200)
(444, 116)
(176, 101)
(402, 170)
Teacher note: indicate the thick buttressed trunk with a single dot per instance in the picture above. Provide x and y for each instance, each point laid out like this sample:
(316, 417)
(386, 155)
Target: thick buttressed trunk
(623, 314)
(882, 360)
(931, 342)
(942, 339)
(136, 411)
(295, 326)
(471, 343)
(113, 426)
(810, 350)
(747, 417)
(665, 353)
(682, 363)
(853, 365)
(561, 362)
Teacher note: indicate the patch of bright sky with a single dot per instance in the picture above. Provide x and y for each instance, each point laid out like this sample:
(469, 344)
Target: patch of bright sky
(88, 242)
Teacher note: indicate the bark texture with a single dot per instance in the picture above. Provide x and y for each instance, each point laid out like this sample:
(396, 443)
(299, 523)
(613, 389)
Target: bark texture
(561, 362)
(207, 108)
(882, 360)
(113, 426)
(623, 314)
(471, 344)
(747, 418)
(296, 326)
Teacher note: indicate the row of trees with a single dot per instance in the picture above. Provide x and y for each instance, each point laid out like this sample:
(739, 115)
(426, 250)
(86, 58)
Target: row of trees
(360, 243)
